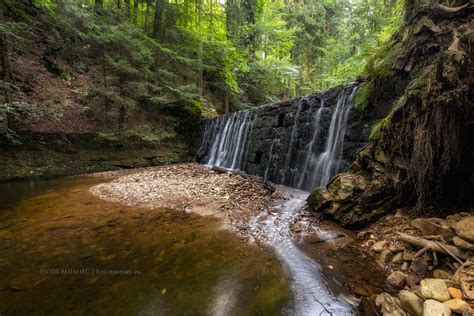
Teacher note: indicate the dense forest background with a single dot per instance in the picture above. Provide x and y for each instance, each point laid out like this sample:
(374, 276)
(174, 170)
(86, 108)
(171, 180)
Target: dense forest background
(125, 59)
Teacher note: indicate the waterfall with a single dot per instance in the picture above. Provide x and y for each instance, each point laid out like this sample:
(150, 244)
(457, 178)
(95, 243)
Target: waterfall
(328, 162)
(225, 140)
(300, 145)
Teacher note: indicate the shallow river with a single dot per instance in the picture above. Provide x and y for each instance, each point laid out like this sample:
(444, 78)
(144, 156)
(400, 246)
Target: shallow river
(63, 251)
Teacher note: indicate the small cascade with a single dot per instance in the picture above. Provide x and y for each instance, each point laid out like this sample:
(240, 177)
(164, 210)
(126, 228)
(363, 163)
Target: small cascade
(294, 134)
(300, 145)
(328, 162)
(306, 178)
(225, 140)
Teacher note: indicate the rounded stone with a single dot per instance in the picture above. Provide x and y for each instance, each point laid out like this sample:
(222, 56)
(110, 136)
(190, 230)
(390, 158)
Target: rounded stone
(458, 306)
(432, 308)
(434, 289)
(396, 280)
(411, 302)
(455, 293)
(465, 228)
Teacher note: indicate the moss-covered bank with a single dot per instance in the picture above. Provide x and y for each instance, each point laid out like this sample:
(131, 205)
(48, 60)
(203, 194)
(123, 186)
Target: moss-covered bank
(421, 154)
(40, 155)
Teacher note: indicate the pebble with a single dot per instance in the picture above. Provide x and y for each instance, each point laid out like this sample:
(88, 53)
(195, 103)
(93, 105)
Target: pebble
(458, 306)
(388, 305)
(441, 274)
(434, 289)
(396, 280)
(465, 228)
(435, 308)
(411, 302)
(455, 293)
(463, 244)
(379, 246)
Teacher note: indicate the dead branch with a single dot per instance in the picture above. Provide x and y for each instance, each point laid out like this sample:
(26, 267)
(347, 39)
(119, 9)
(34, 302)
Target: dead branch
(432, 245)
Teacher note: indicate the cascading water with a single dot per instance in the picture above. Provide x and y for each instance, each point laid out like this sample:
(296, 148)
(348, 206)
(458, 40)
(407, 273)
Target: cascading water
(310, 151)
(328, 162)
(225, 140)
(301, 155)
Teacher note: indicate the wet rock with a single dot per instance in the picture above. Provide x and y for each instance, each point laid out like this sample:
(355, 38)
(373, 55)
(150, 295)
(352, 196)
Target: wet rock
(388, 305)
(25, 281)
(419, 266)
(461, 243)
(396, 280)
(345, 184)
(413, 280)
(411, 302)
(455, 293)
(398, 258)
(379, 246)
(465, 228)
(434, 289)
(319, 199)
(432, 308)
(458, 306)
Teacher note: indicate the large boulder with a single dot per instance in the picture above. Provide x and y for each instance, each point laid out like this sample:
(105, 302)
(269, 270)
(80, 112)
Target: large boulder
(434, 289)
(320, 199)
(465, 228)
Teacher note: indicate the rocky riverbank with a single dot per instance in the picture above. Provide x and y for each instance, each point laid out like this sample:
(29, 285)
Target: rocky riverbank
(428, 261)
(192, 188)
(420, 272)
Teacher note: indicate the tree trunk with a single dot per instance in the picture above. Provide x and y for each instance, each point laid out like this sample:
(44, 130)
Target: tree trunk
(147, 14)
(104, 78)
(99, 3)
(135, 10)
(119, 4)
(158, 25)
(121, 116)
(200, 51)
(127, 7)
(5, 73)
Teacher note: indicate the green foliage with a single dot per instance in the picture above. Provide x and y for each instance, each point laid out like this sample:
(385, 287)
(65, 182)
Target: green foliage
(376, 128)
(171, 57)
(362, 97)
(12, 138)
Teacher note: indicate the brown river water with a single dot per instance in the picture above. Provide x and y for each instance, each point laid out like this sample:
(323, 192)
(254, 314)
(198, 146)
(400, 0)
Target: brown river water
(64, 251)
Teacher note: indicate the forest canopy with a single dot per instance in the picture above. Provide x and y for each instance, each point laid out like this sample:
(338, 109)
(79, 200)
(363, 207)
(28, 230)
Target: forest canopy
(213, 54)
